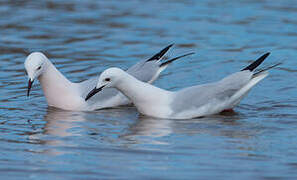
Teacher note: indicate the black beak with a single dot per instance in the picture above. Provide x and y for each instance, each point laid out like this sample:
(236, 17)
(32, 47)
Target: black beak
(93, 92)
(29, 86)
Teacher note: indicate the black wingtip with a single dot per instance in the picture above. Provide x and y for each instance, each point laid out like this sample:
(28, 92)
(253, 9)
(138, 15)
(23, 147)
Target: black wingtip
(176, 58)
(160, 54)
(256, 63)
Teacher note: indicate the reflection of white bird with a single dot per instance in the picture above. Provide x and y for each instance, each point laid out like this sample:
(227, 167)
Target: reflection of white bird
(190, 102)
(62, 93)
(149, 126)
(60, 122)
(60, 126)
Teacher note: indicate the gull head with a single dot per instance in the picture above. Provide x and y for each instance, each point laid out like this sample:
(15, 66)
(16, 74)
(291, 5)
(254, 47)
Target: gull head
(108, 79)
(35, 65)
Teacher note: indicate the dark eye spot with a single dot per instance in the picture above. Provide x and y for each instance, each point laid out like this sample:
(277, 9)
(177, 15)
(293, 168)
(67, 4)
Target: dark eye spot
(39, 68)
(107, 79)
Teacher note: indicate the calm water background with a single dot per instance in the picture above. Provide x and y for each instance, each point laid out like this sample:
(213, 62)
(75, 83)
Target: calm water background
(83, 38)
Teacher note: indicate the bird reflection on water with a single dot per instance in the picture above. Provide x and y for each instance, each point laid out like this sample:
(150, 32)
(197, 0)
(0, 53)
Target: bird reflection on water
(64, 129)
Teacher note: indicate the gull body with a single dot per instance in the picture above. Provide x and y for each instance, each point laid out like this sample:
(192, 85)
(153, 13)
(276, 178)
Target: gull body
(62, 93)
(191, 102)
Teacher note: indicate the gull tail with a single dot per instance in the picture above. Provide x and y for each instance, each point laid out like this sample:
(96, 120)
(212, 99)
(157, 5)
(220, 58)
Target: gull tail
(258, 76)
(256, 63)
(164, 65)
(160, 54)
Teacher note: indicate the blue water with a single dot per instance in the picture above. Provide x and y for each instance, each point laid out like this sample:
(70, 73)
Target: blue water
(82, 38)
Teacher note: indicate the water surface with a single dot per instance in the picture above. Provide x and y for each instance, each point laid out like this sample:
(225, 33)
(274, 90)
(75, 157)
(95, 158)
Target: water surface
(83, 38)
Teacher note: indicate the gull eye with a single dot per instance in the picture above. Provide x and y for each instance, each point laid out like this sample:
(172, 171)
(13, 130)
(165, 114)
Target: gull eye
(38, 68)
(107, 79)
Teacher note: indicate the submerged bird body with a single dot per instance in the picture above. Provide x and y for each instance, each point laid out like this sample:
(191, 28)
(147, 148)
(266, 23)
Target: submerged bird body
(58, 90)
(64, 94)
(195, 101)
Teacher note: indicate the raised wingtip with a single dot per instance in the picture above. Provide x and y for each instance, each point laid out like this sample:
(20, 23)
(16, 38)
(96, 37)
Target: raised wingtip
(256, 63)
(170, 45)
(265, 55)
(160, 54)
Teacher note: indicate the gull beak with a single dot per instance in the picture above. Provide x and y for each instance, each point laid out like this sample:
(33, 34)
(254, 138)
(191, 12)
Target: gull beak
(30, 82)
(93, 92)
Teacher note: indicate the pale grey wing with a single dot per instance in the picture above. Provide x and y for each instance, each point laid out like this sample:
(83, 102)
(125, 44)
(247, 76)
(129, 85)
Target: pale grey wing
(149, 70)
(197, 96)
(144, 70)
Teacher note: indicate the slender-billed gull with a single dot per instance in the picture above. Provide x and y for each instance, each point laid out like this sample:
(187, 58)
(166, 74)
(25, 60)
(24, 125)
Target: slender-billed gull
(190, 102)
(64, 94)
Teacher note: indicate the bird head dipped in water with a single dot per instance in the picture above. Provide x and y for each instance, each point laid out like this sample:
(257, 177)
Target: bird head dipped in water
(35, 65)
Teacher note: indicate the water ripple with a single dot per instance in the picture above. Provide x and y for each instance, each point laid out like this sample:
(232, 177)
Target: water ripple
(82, 38)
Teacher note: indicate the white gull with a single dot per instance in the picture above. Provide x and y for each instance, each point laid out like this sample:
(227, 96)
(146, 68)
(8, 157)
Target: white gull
(190, 102)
